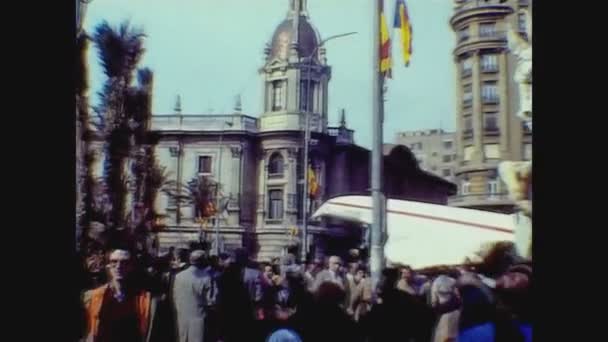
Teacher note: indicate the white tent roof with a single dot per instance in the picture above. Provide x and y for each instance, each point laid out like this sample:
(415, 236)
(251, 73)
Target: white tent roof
(422, 234)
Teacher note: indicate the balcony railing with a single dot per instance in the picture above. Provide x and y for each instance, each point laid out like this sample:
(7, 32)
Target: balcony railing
(221, 122)
(489, 68)
(479, 197)
(489, 130)
(469, 4)
(463, 37)
(467, 103)
(490, 99)
(467, 133)
(466, 72)
(275, 175)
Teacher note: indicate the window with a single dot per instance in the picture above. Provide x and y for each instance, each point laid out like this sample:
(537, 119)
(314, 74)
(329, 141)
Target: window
(489, 92)
(447, 159)
(277, 95)
(527, 152)
(525, 126)
(204, 164)
(468, 126)
(467, 96)
(448, 144)
(171, 202)
(489, 63)
(491, 151)
(463, 34)
(433, 168)
(468, 153)
(307, 102)
(417, 146)
(275, 165)
(275, 204)
(487, 30)
(446, 172)
(521, 22)
(492, 187)
(465, 187)
(467, 67)
(490, 122)
(299, 206)
(434, 154)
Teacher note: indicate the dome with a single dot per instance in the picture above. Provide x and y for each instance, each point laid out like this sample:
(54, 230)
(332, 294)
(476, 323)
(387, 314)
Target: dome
(308, 39)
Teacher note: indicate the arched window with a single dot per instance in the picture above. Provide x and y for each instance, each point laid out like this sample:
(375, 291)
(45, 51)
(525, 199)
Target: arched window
(275, 165)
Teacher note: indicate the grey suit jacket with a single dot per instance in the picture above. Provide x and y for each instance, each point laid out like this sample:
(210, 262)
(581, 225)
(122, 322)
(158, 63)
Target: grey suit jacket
(193, 292)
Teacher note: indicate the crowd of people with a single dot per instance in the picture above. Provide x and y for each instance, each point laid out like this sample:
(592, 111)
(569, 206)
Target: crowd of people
(186, 295)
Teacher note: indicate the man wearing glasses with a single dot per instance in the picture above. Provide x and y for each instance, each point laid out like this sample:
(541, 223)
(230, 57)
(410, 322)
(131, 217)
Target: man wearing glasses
(118, 310)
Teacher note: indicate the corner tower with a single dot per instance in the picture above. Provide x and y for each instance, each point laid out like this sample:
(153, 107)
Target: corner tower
(295, 75)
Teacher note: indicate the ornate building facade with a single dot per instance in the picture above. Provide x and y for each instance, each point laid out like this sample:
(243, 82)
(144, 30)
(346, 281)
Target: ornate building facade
(258, 159)
(488, 128)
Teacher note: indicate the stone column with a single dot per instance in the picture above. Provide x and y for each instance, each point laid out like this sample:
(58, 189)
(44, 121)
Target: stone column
(504, 115)
(477, 114)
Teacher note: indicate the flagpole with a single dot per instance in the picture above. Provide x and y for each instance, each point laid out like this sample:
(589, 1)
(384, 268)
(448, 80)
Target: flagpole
(308, 112)
(378, 200)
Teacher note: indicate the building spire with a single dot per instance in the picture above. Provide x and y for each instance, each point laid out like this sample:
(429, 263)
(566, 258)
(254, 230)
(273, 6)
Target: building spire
(294, 14)
(178, 105)
(238, 106)
(343, 118)
(297, 6)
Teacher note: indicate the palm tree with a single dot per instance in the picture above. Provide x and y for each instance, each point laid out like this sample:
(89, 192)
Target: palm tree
(85, 155)
(120, 50)
(200, 192)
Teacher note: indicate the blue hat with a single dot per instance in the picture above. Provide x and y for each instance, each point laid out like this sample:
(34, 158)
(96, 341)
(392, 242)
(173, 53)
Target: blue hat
(284, 335)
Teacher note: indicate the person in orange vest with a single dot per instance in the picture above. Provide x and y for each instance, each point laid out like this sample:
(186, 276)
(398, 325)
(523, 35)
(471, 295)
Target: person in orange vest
(118, 310)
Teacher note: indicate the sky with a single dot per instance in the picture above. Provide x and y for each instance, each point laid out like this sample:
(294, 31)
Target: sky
(209, 51)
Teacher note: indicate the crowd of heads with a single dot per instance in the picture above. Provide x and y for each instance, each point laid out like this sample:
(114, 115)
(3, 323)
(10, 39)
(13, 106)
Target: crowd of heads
(284, 300)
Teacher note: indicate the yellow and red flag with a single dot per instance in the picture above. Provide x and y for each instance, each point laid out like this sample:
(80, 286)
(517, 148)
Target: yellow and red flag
(313, 185)
(402, 22)
(385, 44)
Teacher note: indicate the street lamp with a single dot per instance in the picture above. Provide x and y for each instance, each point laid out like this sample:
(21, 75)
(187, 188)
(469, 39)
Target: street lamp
(217, 189)
(307, 113)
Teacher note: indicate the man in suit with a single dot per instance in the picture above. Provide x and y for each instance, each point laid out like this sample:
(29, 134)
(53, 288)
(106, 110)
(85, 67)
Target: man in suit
(332, 273)
(193, 294)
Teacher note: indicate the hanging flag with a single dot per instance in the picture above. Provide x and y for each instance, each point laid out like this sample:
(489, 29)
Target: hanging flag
(313, 186)
(385, 44)
(402, 22)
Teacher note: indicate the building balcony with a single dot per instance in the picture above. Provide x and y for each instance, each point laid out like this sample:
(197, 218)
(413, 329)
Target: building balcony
(491, 131)
(489, 69)
(485, 40)
(466, 103)
(472, 8)
(480, 199)
(524, 2)
(467, 133)
(209, 123)
(490, 100)
(466, 73)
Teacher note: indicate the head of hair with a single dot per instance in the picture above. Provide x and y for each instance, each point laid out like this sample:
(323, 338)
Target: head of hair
(198, 258)
(241, 257)
(183, 255)
(329, 294)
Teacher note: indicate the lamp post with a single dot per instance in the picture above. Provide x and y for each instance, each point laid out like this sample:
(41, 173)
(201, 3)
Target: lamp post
(217, 189)
(307, 113)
